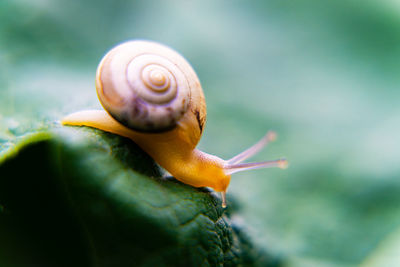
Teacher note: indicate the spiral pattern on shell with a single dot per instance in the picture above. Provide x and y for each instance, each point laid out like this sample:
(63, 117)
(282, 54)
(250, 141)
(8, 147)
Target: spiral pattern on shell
(144, 85)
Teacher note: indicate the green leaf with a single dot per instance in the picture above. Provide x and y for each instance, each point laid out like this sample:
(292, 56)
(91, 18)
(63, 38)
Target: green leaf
(78, 195)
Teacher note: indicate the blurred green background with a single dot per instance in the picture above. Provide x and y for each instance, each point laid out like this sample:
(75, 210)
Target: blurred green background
(324, 75)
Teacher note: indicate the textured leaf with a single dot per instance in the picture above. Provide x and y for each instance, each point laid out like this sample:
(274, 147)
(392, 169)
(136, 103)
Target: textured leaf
(77, 195)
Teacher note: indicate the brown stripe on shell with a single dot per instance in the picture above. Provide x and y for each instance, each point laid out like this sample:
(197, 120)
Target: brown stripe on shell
(200, 120)
(139, 109)
(170, 115)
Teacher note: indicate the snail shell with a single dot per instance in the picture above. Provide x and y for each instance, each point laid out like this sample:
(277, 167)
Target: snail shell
(148, 87)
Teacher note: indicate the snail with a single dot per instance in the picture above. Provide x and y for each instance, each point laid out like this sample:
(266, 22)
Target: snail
(152, 95)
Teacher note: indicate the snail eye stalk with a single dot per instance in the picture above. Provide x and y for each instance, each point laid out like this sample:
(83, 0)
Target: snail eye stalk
(279, 163)
(234, 164)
